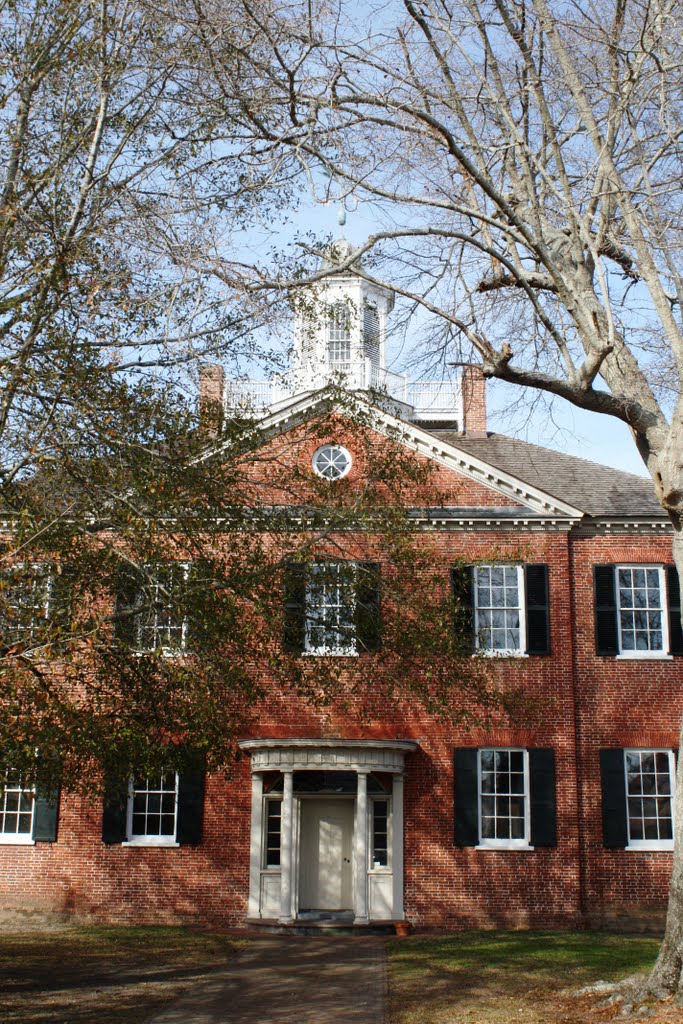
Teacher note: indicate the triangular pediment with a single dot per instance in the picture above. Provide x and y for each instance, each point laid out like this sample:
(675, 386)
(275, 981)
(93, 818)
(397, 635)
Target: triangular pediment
(446, 453)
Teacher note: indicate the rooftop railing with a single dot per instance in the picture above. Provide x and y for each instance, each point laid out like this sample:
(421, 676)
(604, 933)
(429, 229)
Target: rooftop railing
(427, 400)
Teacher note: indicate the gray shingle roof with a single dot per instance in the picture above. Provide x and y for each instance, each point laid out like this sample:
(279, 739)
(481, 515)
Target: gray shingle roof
(597, 490)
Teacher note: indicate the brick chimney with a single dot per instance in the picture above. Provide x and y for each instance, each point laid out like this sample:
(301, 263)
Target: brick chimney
(211, 398)
(473, 385)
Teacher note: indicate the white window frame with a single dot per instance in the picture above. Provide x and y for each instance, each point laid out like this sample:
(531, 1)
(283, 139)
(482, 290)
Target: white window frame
(650, 844)
(139, 839)
(340, 650)
(16, 838)
(664, 611)
(267, 800)
(523, 843)
(37, 571)
(170, 651)
(380, 869)
(518, 652)
(340, 448)
(339, 333)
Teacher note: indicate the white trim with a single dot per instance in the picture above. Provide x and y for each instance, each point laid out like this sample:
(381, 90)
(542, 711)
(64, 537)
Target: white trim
(424, 443)
(506, 844)
(17, 839)
(343, 450)
(151, 842)
(346, 604)
(145, 839)
(662, 653)
(650, 844)
(504, 652)
(380, 869)
(151, 569)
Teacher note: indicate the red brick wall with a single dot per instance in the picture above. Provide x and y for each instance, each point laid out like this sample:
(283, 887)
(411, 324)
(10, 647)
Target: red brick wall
(621, 703)
(569, 694)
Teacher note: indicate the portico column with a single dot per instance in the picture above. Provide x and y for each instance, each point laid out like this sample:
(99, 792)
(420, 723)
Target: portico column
(254, 908)
(286, 848)
(361, 849)
(397, 845)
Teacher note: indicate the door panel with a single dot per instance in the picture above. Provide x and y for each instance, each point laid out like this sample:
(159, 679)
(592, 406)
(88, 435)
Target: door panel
(325, 855)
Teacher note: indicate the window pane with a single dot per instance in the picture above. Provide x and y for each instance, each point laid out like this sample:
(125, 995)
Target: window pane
(330, 608)
(16, 805)
(498, 608)
(153, 807)
(649, 816)
(503, 815)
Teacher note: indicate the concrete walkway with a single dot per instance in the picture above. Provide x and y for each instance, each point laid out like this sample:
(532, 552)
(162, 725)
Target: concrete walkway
(291, 980)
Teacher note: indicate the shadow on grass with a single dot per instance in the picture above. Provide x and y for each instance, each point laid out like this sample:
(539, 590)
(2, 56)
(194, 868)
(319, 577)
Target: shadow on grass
(499, 976)
(101, 975)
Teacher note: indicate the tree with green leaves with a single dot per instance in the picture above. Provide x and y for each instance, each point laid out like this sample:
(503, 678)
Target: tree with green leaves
(524, 157)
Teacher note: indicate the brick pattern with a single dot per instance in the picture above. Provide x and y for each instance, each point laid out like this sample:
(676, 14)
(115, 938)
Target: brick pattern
(574, 702)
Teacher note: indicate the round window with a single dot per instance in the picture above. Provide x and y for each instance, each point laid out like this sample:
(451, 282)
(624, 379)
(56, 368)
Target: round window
(332, 461)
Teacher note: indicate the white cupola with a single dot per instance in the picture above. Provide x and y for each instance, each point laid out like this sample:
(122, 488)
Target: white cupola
(340, 328)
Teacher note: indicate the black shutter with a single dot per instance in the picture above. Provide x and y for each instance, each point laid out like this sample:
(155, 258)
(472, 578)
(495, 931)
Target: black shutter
(190, 807)
(673, 590)
(196, 600)
(61, 598)
(465, 797)
(128, 586)
(45, 814)
(462, 592)
(368, 622)
(605, 597)
(542, 799)
(294, 629)
(613, 781)
(537, 609)
(114, 814)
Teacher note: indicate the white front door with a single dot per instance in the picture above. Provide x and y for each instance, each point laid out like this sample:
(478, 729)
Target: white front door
(326, 840)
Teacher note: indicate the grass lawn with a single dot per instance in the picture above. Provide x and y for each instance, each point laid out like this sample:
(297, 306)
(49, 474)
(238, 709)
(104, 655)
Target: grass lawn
(95, 975)
(505, 977)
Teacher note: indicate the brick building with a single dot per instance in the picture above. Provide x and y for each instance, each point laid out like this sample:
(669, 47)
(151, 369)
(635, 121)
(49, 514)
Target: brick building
(559, 815)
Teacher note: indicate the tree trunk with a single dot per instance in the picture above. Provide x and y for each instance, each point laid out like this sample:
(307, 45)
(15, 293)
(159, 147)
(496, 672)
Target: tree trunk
(666, 975)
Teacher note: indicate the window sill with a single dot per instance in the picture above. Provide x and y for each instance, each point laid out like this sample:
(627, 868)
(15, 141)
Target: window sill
(486, 653)
(7, 839)
(151, 843)
(164, 652)
(644, 656)
(325, 653)
(651, 846)
(525, 847)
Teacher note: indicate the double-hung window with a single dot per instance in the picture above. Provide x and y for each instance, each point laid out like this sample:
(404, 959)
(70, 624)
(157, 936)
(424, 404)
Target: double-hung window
(28, 813)
(503, 797)
(165, 809)
(637, 611)
(642, 619)
(502, 609)
(637, 798)
(153, 810)
(17, 803)
(498, 609)
(332, 608)
(26, 601)
(148, 613)
(649, 800)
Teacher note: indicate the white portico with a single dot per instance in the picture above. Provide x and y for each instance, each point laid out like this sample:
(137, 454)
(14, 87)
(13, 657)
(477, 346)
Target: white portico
(326, 829)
